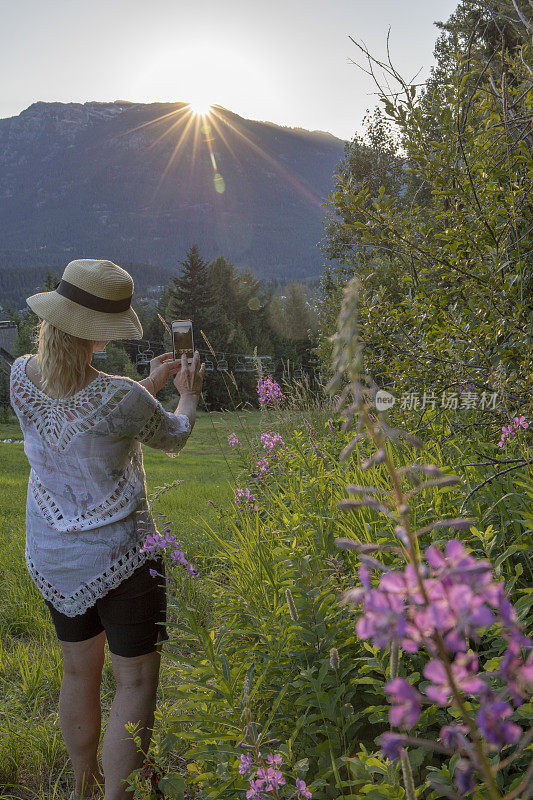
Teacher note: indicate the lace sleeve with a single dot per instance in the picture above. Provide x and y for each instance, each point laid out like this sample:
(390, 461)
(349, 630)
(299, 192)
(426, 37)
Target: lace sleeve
(155, 427)
(14, 387)
(165, 430)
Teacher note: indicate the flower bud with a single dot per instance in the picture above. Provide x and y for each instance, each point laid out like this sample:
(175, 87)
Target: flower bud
(292, 607)
(401, 533)
(245, 691)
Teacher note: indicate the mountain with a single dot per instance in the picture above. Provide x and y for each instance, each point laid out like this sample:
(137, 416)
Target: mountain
(139, 183)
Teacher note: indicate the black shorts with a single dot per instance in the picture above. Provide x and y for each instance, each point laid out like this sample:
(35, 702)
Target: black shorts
(133, 614)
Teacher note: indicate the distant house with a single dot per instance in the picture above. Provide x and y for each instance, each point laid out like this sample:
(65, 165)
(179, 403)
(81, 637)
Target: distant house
(8, 338)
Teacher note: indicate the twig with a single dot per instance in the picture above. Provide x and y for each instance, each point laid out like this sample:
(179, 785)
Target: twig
(526, 22)
(491, 478)
(490, 463)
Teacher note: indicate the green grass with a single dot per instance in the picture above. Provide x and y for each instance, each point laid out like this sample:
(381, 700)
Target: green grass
(33, 760)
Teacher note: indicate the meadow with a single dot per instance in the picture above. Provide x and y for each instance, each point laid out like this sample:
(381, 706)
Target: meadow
(32, 754)
(270, 688)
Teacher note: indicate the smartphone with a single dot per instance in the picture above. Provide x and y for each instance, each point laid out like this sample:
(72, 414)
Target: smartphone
(182, 338)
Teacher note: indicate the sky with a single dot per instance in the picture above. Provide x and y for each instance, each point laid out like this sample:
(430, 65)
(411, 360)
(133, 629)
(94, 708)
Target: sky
(283, 61)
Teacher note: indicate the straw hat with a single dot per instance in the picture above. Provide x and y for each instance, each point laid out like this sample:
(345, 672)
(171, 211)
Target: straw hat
(92, 301)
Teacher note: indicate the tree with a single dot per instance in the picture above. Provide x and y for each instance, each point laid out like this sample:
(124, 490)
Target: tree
(116, 362)
(26, 321)
(484, 27)
(293, 315)
(447, 289)
(191, 296)
(224, 283)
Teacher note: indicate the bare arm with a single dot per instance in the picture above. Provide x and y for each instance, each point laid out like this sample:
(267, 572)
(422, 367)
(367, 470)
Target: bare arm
(188, 381)
(187, 405)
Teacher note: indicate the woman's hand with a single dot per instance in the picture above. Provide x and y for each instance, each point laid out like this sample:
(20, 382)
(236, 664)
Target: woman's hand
(189, 377)
(161, 368)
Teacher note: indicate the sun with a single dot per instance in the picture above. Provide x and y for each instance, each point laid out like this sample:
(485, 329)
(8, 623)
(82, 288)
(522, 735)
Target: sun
(200, 108)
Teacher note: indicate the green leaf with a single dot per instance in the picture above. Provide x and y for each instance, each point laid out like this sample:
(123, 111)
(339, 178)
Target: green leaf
(173, 786)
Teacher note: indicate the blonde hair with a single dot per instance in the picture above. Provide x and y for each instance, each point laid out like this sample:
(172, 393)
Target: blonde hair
(62, 359)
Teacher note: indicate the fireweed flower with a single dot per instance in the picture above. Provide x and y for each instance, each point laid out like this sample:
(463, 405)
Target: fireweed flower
(449, 599)
(246, 764)
(453, 736)
(517, 675)
(494, 723)
(265, 781)
(512, 430)
(269, 392)
(301, 788)
(233, 440)
(256, 789)
(406, 708)
(392, 745)
(167, 542)
(271, 777)
(272, 443)
(153, 542)
(384, 621)
(245, 500)
(464, 670)
(261, 468)
(271, 440)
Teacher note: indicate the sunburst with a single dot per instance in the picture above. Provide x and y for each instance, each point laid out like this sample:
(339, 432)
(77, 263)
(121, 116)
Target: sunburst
(202, 120)
(200, 108)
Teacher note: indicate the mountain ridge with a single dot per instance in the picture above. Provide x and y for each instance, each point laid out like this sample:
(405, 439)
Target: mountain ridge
(126, 103)
(141, 182)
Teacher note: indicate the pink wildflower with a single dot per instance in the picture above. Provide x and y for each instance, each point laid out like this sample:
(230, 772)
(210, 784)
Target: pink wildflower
(269, 392)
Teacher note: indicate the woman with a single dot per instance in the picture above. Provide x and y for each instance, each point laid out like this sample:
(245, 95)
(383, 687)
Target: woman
(87, 514)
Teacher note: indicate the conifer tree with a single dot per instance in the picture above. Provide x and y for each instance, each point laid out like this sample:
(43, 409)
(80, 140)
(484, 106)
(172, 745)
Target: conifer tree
(191, 296)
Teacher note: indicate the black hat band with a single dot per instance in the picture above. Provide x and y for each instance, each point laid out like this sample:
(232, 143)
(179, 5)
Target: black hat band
(92, 301)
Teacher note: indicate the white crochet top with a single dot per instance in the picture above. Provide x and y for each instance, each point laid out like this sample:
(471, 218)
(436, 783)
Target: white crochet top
(87, 513)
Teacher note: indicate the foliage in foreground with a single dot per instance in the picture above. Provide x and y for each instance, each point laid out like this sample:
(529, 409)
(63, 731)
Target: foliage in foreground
(271, 663)
(443, 605)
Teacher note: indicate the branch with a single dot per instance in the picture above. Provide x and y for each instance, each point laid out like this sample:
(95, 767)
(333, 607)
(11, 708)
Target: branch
(526, 22)
(491, 478)
(490, 463)
(468, 172)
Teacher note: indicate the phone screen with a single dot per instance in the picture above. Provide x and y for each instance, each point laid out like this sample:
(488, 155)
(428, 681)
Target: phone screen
(182, 340)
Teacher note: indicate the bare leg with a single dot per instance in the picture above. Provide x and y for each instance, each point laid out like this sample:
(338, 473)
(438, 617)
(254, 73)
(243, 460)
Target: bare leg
(134, 701)
(80, 711)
